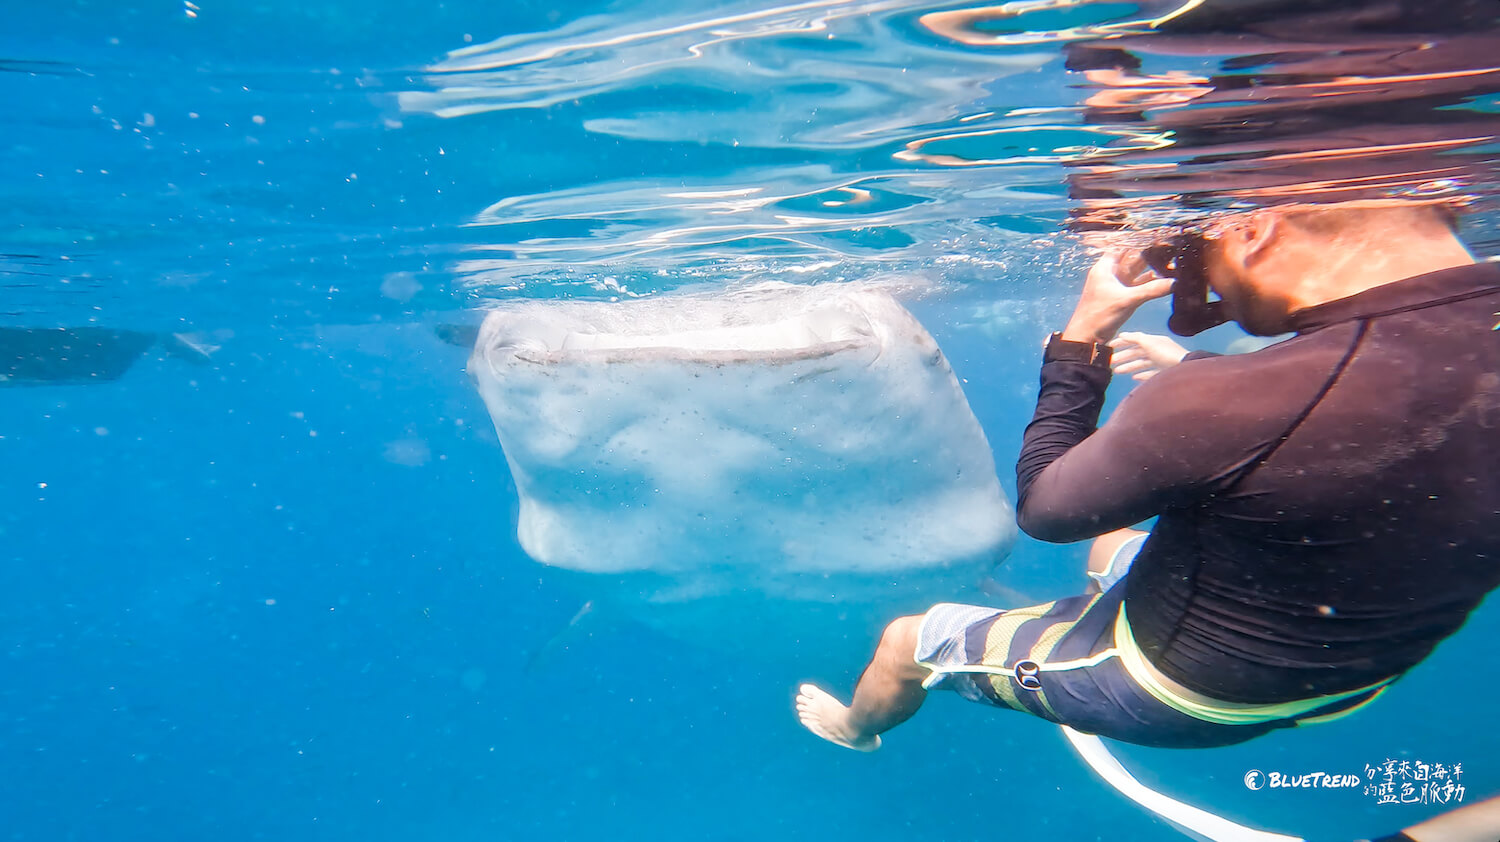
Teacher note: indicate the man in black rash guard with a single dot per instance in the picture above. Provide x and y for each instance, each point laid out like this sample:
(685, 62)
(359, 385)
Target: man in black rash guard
(1328, 508)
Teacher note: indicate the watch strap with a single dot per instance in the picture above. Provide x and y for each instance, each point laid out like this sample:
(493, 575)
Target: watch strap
(1066, 350)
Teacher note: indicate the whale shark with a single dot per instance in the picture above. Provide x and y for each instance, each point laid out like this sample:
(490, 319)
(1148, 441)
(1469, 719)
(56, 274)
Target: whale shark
(712, 460)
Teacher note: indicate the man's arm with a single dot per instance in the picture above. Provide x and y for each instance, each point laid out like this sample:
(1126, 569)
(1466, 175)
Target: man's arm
(1163, 446)
(1073, 481)
(1067, 413)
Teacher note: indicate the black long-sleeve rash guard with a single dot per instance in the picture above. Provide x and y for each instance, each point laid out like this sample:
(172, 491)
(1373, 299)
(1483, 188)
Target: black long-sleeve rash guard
(1329, 507)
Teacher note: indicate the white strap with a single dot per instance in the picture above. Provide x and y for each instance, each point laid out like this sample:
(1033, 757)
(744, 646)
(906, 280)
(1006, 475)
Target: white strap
(1187, 818)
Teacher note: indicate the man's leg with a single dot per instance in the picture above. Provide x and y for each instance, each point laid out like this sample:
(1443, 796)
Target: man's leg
(888, 693)
(890, 690)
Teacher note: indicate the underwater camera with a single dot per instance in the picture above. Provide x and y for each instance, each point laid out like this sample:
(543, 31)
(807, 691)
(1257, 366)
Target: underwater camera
(1181, 259)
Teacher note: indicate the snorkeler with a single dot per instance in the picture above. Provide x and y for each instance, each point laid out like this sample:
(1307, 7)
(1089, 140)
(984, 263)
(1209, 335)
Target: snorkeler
(1327, 509)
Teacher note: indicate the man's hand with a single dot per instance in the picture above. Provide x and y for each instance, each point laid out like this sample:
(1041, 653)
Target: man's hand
(1143, 355)
(1118, 284)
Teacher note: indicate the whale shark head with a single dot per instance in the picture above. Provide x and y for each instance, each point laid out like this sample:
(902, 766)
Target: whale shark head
(747, 450)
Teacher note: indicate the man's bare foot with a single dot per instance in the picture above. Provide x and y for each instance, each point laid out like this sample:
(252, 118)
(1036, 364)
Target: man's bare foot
(827, 717)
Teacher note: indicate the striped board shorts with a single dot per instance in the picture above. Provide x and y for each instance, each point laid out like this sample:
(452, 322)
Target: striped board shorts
(1057, 661)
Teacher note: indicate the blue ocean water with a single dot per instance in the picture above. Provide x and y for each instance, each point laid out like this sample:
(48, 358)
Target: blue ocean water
(276, 593)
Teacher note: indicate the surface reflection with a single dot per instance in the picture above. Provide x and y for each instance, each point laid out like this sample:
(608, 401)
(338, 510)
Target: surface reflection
(1323, 103)
(832, 74)
(807, 112)
(888, 136)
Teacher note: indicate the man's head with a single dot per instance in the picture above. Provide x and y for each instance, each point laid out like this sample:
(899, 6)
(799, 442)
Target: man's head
(1268, 264)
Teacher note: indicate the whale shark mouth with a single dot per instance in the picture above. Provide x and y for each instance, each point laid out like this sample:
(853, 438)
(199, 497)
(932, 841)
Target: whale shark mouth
(786, 440)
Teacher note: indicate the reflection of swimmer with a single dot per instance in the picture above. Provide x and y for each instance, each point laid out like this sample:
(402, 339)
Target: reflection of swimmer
(1324, 506)
(1320, 102)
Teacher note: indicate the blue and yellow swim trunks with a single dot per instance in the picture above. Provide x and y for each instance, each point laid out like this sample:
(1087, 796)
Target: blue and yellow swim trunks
(1074, 662)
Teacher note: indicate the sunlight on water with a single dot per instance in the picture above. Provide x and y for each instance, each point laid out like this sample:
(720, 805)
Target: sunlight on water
(826, 74)
(669, 144)
(847, 93)
(887, 136)
(789, 222)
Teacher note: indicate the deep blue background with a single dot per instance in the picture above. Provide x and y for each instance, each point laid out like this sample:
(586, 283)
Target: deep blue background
(150, 691)
(225, 613)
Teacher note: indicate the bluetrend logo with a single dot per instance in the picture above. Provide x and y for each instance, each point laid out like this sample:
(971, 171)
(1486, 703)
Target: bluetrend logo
(1256, 779)
(1391, 782)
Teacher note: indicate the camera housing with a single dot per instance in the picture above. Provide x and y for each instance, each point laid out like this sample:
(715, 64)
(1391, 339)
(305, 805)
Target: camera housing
(1181, 259)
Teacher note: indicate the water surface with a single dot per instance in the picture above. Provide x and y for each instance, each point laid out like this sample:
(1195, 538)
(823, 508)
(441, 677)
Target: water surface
(260, 576)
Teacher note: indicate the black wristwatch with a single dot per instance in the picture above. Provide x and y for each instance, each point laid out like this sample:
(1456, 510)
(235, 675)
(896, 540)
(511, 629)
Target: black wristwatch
(1065, 350)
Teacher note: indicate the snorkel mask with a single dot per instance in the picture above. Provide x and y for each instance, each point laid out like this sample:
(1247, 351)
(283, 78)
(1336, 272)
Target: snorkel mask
(1181, 259)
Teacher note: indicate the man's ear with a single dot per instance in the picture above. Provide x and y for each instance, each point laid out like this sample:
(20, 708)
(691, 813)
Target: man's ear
(1258, 235)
